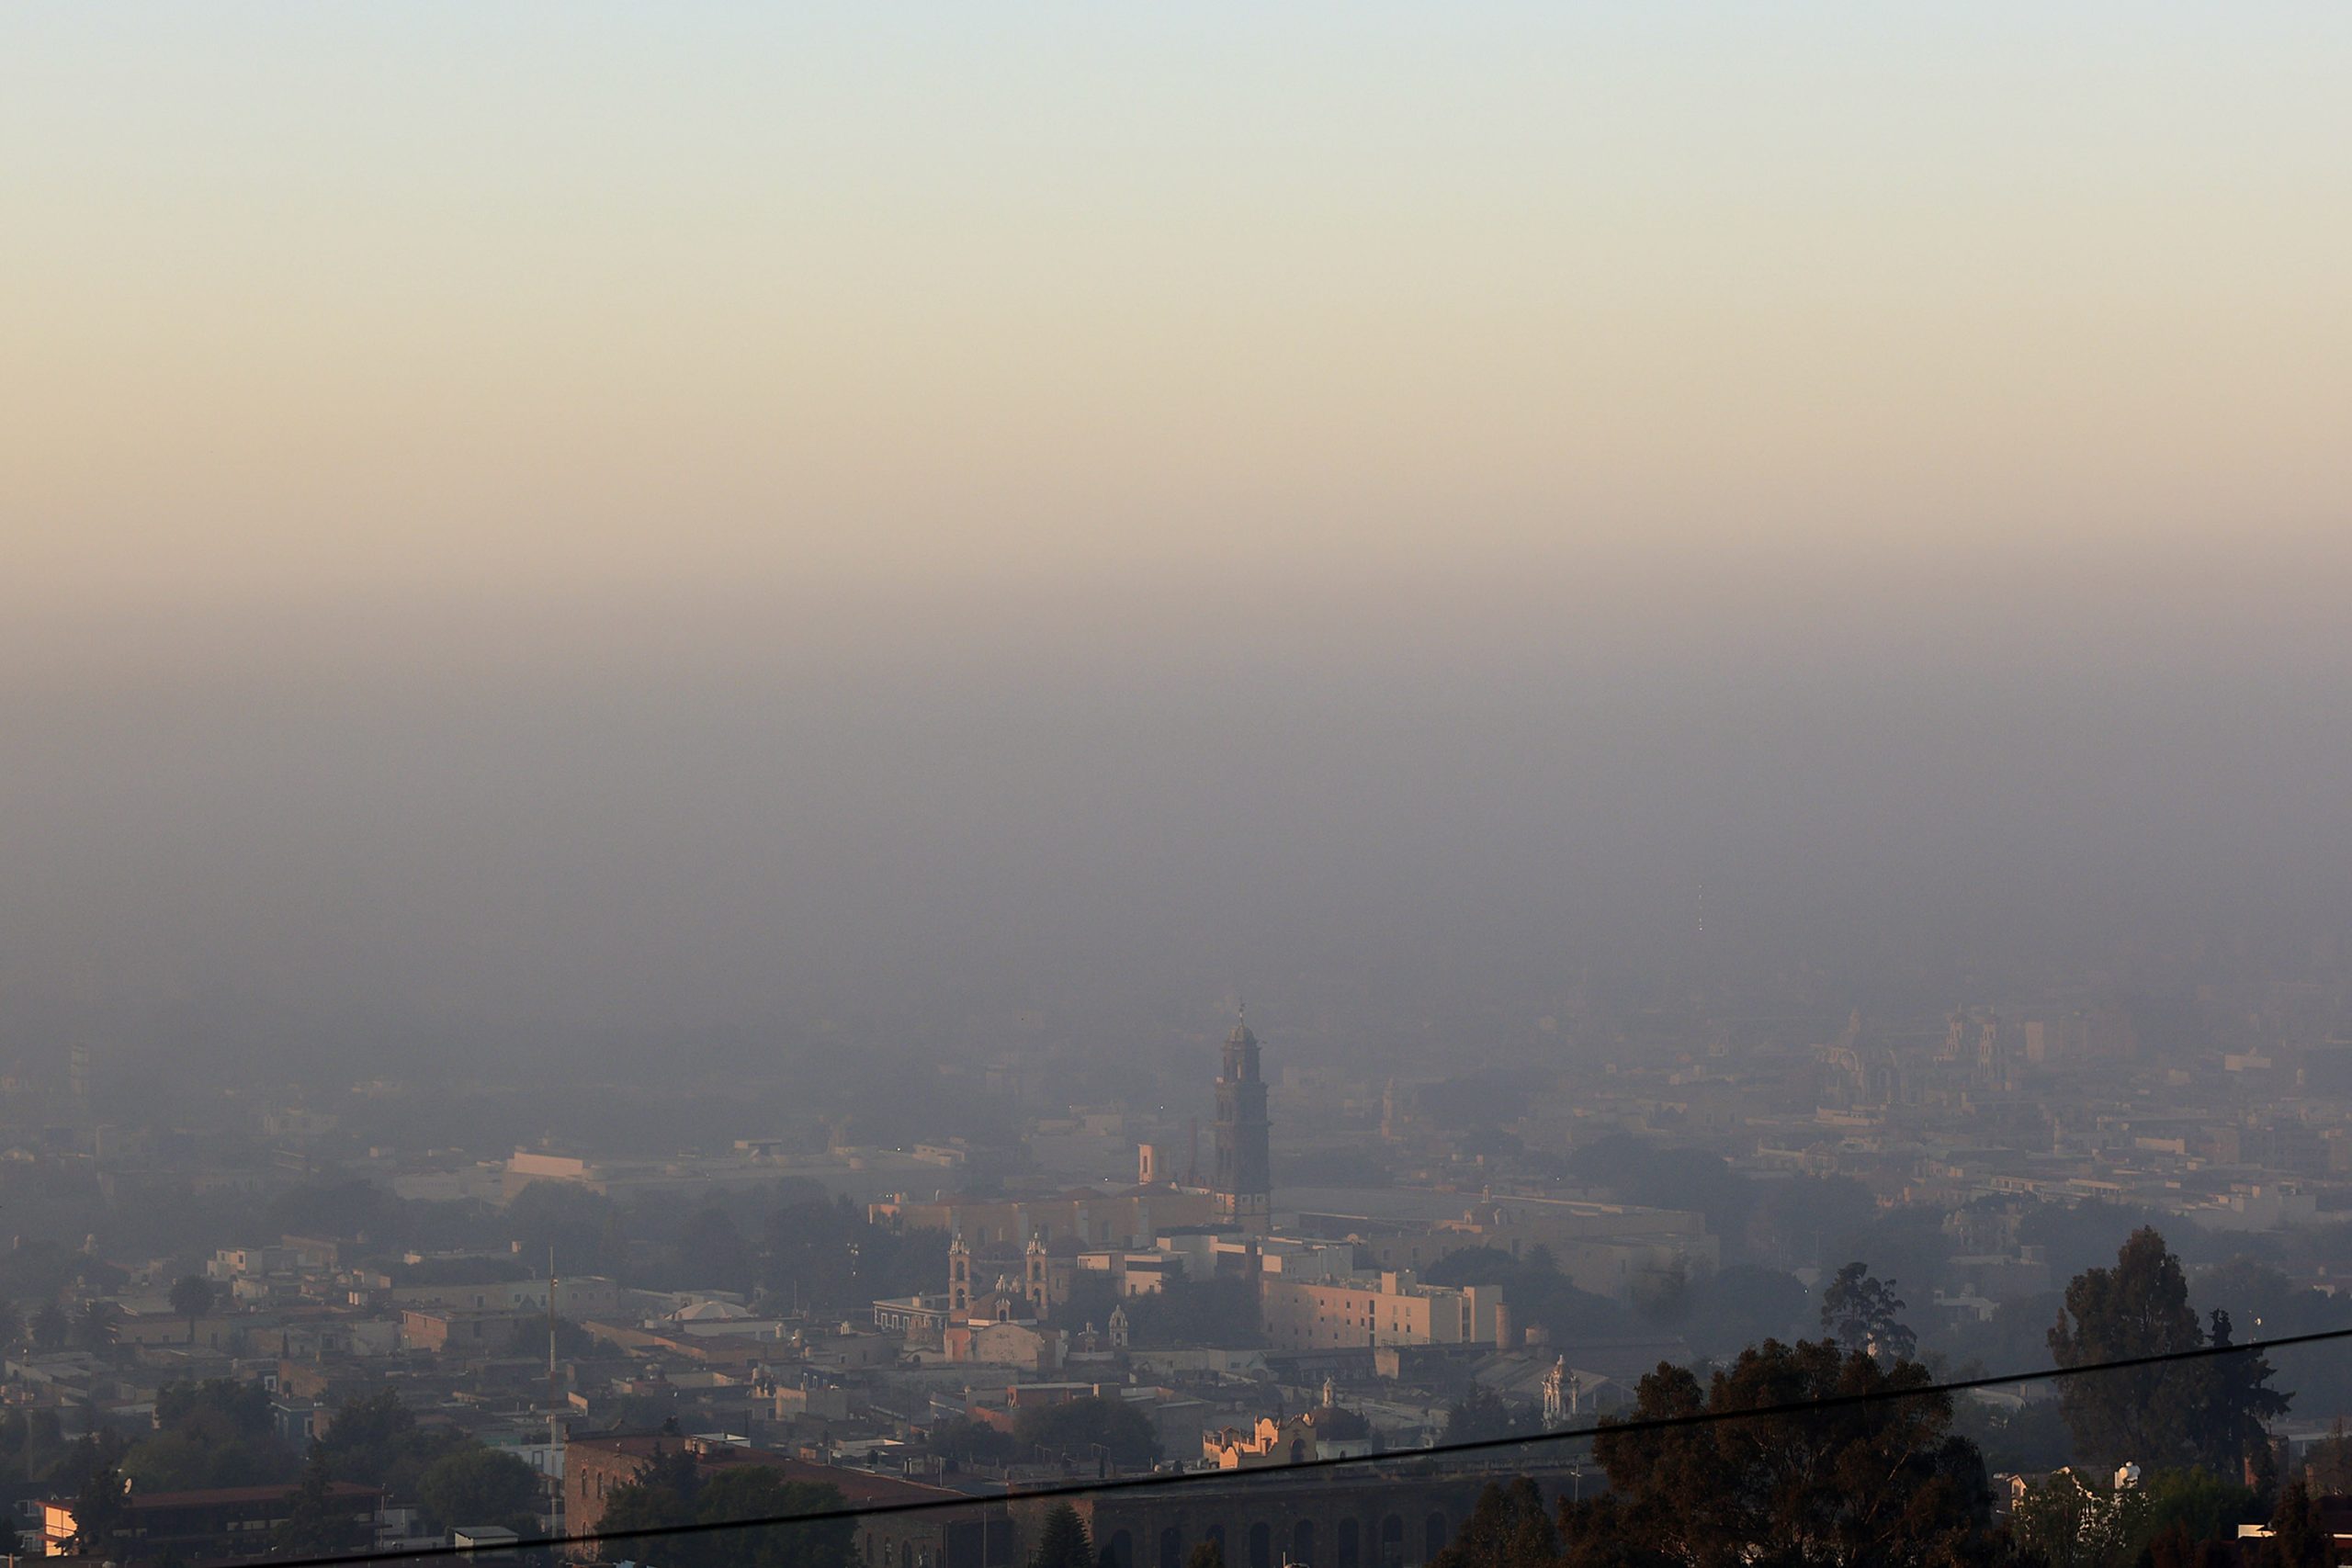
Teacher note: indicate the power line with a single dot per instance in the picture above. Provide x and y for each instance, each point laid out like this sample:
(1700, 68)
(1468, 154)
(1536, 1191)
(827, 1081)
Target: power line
(1169, 1479)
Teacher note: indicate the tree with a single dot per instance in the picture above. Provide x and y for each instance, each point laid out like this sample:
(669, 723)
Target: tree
(760, 1492)
(1063, 1543)
(1873, 1479)
(317, 1522)
(479, 1485)
(2238, 1402)
(2195, 1505)
(1539, 1293)
(1863, 1312)
(1222, 1312)
(1663, 1294)
(2299, 1538)
(661, 1494)
(216, 1433)
(2064, 1522)
(100, 1507)
(1077, 1428)
(50, 1327)
(191, 1297)
(2328, 1471)
(94, 1326)
(711, 1254)
(1510, 1528)
(1479, 1416)
(1207, 1552)
(375, 1441)
(2205, 1411)
(965, 1441)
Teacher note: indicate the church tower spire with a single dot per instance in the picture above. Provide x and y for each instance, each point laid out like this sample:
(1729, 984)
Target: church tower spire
(1244, 1184)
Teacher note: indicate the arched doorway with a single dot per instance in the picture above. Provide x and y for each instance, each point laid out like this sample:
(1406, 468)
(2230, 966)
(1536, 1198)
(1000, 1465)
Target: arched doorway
(1350, 1547)
(1302, 1543)
(1262, 1547)
(1392, 1543)
(1171, 1547)
(1123, 1549)
(1432, 1536)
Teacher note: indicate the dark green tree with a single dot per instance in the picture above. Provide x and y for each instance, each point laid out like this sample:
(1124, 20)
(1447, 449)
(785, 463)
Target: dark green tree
(94, 1326)
(663, 1494)
(318, 1523)
(965, 1441)
(2195, 1505)
(1480, 1415)
(1062, 1542)
(1208, 1552)
(1510, 1528)
(479, 1486)
(2299, 1537)
(759, 1492)
(2139, 1307)
(2238, 1402)
(50, 1329)
(1879, 1481)
(191, 1297)
(1078, 1428)
(2328, 1470)
(375, 1441)
(216, 1433)
(2210, 1411)
(1863, 1312)
(100, 1507)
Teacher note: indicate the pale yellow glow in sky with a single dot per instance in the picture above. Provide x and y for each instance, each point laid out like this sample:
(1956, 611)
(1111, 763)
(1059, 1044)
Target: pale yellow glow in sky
(299, 300)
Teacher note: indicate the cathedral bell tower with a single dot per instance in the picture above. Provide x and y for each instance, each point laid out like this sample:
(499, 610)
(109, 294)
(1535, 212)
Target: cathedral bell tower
(1244, 1186)
(959, 1278)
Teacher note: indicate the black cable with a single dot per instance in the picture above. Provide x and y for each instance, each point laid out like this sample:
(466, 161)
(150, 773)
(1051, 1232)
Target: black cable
(1276, 1472)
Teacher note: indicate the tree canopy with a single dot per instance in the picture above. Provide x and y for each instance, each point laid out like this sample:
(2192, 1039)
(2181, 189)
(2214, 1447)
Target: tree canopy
(1882, 1481)
(1861, 1311)
(2207, 1411)
(669, 1489)
(1076, 1427)
(1063, 1542)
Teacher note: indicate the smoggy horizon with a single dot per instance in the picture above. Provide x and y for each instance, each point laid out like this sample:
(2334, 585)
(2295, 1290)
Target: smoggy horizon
(550, 531)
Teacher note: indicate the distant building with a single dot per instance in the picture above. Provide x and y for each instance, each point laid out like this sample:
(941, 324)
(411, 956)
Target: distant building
(1298, 1440)
(1242, 1192)
(1392, 1309)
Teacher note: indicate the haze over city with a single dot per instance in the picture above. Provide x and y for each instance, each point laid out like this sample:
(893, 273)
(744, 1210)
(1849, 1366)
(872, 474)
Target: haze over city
(543, 529)
(765, 759)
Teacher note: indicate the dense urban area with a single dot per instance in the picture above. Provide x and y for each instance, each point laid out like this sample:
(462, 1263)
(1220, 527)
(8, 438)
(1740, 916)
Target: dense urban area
(316, 1319)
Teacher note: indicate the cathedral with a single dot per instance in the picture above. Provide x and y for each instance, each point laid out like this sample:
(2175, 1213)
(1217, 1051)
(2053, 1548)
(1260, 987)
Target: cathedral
(1244, 1185)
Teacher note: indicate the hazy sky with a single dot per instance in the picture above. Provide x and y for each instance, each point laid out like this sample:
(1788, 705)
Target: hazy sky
(304, 297)
(509, 507)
